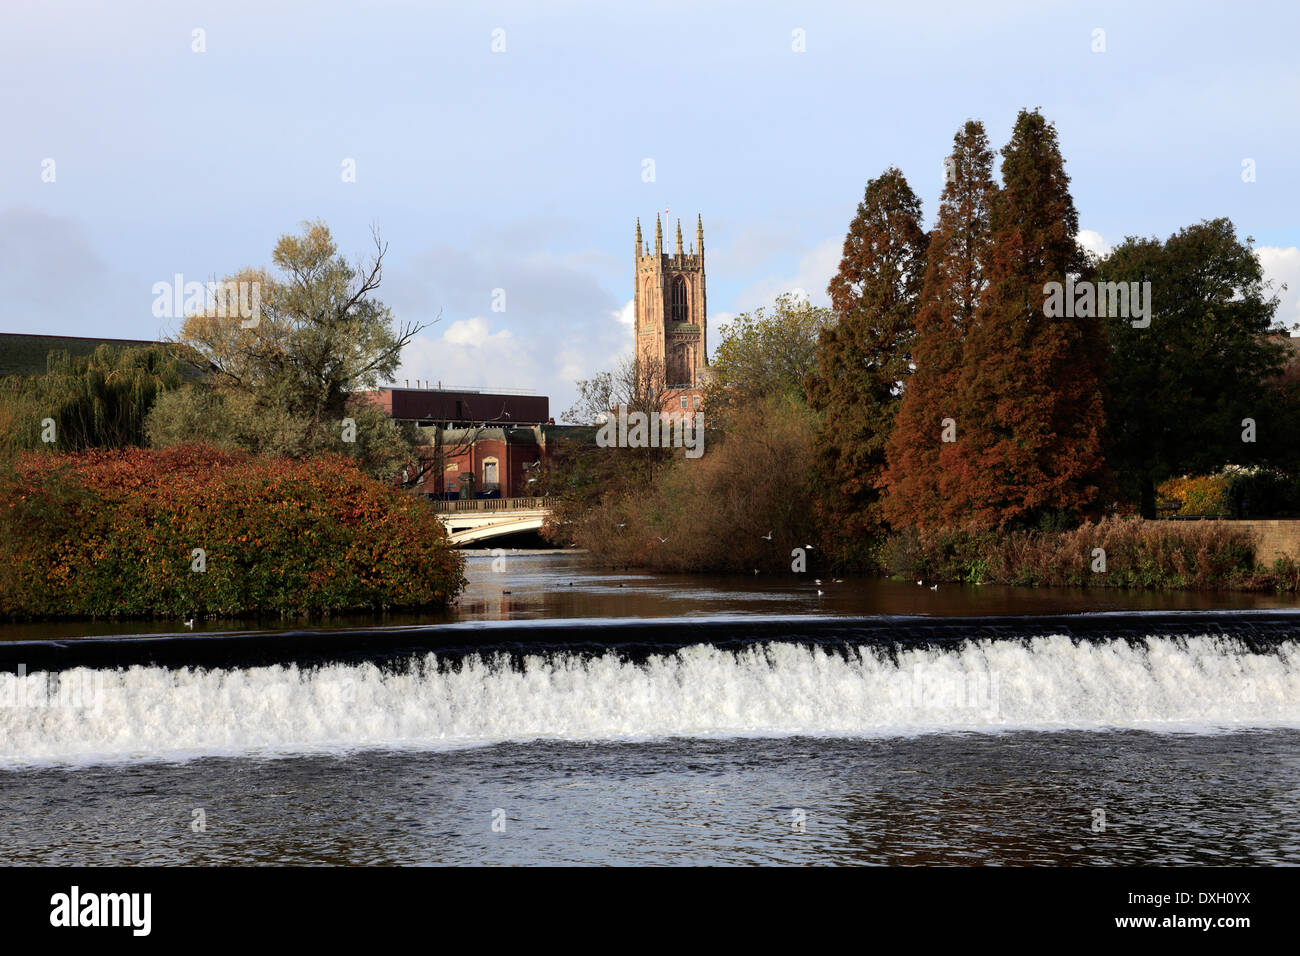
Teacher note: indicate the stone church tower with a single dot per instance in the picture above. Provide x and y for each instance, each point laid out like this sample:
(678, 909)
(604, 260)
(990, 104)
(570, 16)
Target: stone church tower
(671, 315)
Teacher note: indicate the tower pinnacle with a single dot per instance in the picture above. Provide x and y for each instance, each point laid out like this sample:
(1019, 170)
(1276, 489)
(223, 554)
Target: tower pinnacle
(659, 237)
(679, 238)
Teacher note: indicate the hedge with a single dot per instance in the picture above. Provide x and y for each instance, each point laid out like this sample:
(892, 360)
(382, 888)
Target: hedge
(115, 533)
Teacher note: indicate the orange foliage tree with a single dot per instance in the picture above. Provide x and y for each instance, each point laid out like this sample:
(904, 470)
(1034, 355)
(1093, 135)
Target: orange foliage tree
(1030, 422)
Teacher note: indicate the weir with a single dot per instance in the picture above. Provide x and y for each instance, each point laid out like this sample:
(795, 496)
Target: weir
(632, 638)
(476, 685)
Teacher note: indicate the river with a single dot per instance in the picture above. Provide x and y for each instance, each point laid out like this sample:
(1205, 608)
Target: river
(776, 733)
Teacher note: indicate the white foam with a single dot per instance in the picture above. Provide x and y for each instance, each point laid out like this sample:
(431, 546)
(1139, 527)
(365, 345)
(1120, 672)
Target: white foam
(1200, 684)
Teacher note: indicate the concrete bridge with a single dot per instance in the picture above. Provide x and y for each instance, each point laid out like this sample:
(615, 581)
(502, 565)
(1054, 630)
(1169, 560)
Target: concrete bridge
(471, 520)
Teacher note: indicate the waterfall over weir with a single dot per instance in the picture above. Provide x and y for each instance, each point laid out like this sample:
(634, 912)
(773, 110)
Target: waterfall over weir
(110, 700)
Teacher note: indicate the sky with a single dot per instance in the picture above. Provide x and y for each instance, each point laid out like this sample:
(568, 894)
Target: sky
(512, 146)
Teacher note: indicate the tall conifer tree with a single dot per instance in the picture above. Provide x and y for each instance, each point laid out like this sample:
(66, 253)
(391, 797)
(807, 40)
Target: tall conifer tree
(919, 477)
(1031, 420)
(862, 358)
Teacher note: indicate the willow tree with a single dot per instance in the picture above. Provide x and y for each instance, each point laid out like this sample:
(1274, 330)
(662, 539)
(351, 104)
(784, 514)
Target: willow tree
(99, 400)
(862, 358)
(920, 477)
(286, 379)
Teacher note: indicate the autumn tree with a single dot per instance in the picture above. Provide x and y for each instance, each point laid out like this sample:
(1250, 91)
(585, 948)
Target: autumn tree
(1030, 419)
(920, 461)
(1184, 378)
(862, 358)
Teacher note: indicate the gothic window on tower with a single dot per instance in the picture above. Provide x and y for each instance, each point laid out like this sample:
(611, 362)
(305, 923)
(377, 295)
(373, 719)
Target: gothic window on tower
(680, 313)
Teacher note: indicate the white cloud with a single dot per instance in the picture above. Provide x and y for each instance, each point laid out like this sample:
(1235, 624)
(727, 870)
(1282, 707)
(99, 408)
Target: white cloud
(474, 332)
(626, 315)
(1282, 266)
(811, 276)
(559, 325)
(469, 353)
(1093, 242)
(720, 319)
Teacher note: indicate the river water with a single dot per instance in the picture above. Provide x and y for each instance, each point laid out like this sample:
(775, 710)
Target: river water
(686, 746)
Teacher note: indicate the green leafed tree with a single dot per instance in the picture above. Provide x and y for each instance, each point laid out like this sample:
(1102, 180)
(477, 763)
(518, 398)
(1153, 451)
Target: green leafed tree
(1180, 387)
(762, 353)
(862, 359)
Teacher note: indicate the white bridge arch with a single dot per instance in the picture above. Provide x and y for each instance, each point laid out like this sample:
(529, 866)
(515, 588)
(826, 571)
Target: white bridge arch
(482, 519)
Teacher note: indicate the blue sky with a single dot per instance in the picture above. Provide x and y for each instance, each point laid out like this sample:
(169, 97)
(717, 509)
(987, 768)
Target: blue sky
(523, 169)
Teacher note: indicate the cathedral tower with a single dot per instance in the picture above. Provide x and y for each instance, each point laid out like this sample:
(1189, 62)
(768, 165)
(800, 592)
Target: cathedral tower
(671, 315)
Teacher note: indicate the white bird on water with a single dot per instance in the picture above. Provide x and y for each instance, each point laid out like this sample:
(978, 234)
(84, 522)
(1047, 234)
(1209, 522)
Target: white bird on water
(190, 624)
(768, 536)
(934, 588)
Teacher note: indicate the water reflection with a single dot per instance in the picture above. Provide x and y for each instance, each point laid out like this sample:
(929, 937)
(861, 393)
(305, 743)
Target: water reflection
(523, 585)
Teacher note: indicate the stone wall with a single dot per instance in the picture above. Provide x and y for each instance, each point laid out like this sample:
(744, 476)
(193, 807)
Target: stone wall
(1276, 538)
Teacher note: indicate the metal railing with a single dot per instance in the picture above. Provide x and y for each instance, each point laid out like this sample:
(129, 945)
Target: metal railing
(490, 504)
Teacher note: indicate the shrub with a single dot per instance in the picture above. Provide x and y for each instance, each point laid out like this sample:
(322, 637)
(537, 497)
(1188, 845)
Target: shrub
(111, 534)
(1140, 554)
(744, 505)
(1196, 496)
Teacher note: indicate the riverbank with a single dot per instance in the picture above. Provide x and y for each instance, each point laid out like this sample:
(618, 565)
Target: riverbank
(1112, 553)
